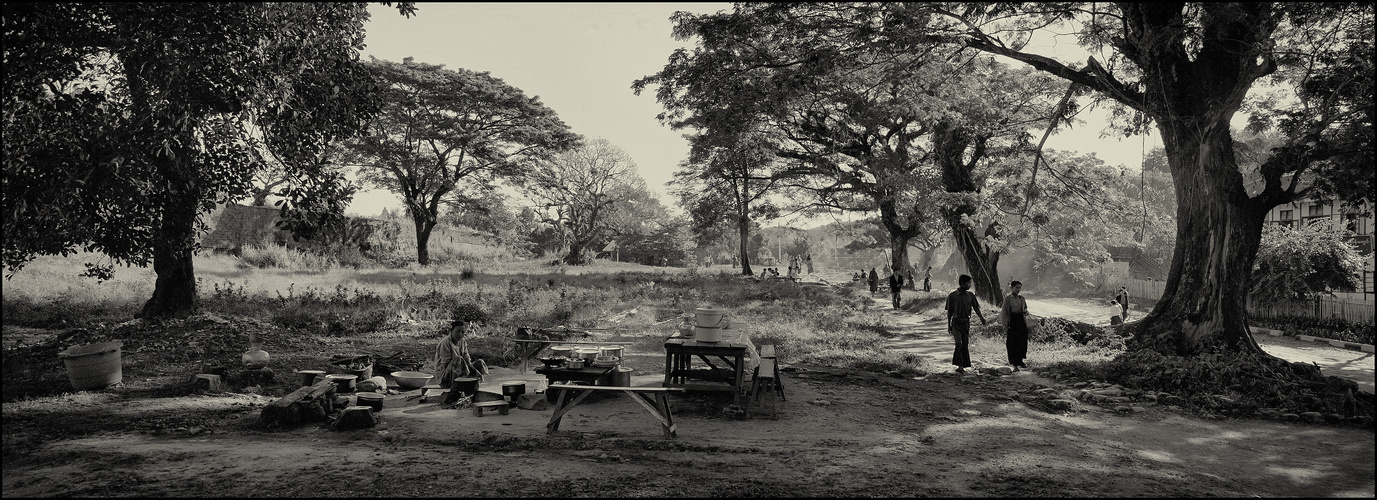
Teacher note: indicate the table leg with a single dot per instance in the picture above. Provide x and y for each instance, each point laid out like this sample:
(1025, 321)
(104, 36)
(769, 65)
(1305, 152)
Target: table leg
(663, 403)
(555, 417)
(559, 413)
(740, 377)
(655, 409)
(669, 368)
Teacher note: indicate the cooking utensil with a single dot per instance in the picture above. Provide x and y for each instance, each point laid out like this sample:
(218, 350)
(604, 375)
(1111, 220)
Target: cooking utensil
(411, 380)
(588, 355)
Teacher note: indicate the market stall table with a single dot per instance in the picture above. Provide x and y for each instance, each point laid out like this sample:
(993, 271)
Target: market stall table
(528, 349)
(589, 375)
(731, 352)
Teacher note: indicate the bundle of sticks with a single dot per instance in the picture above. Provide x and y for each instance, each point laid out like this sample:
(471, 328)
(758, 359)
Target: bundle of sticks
(397, 362)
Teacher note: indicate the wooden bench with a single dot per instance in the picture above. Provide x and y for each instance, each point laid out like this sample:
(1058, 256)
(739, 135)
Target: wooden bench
(651, 398)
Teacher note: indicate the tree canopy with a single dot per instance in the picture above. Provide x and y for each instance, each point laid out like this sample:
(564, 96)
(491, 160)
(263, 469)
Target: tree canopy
(441, 130)
(125, 121)
(579, 192)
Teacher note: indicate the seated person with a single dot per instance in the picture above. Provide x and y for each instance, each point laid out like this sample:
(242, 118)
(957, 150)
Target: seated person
(452, 359)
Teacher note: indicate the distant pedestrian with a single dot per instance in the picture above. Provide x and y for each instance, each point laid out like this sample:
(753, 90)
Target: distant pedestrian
(909, 282)
(1013, 314)
(874, 281)
(960, 304)
(927, 280)
(896, 285)
(1122, 299)
(1114, 313)
(809, 260)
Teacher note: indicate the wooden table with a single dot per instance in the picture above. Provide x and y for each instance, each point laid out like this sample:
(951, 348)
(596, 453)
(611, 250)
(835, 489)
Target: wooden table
(731, 351)
(650, 398)
(527, 349)
(589, 375)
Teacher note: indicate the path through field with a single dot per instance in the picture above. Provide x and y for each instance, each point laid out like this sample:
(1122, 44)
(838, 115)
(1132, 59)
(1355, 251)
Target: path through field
(925, 333)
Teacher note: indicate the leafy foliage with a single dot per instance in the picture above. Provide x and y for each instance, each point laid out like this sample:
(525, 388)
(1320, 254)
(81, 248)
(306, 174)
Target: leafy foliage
(1230, 383)
(445, 133)
(1303, 262)
(585, 193)
(125, 121)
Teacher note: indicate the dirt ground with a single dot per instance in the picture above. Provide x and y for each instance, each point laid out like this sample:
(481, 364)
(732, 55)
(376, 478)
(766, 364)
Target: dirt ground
(840, 433)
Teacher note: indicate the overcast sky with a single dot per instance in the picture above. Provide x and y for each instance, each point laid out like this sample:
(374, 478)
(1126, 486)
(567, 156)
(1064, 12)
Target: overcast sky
(580, 60)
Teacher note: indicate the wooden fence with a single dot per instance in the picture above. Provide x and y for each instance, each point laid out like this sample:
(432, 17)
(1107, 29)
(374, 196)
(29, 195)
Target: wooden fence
(1349, 308)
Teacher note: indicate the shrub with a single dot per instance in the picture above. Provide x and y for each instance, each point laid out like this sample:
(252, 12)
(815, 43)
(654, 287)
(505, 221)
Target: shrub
(1333, 328)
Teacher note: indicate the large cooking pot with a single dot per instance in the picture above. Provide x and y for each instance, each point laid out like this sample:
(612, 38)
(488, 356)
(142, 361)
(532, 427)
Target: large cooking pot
(343, 383)
(707, 334)
(587, 355)
(372, 400)
(711, 317)
(611, 351)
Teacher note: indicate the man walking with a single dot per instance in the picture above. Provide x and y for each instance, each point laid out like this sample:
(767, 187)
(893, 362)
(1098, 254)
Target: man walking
(896, 285)
(960, 305)
(927, 280)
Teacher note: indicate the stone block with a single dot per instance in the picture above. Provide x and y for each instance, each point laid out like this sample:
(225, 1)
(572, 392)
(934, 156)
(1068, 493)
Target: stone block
(1313, 417)
(1062, 404)
(205, 382)
(1367, 348)
(1306, 338)
(1004, 370)
(1338, 343)
(355, 417)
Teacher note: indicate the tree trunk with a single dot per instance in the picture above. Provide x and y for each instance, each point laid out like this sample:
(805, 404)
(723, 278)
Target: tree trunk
(576, 251)
(743, 229)
(950, 144)
(1218, 230)
(980, 259)
(174, 292)
(423, 229)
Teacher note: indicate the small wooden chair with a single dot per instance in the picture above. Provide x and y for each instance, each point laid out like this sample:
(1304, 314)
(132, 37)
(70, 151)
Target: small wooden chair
(766, 377)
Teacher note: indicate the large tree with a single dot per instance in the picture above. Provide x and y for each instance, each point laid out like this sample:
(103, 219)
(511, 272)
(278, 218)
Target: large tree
(729, 176)
(577, 190)
(1190, 67)
(866, 130)
(442, 129)
(124, 122)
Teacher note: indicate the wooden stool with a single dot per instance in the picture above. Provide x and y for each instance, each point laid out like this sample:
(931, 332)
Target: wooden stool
(766, 378)
(501, 407)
